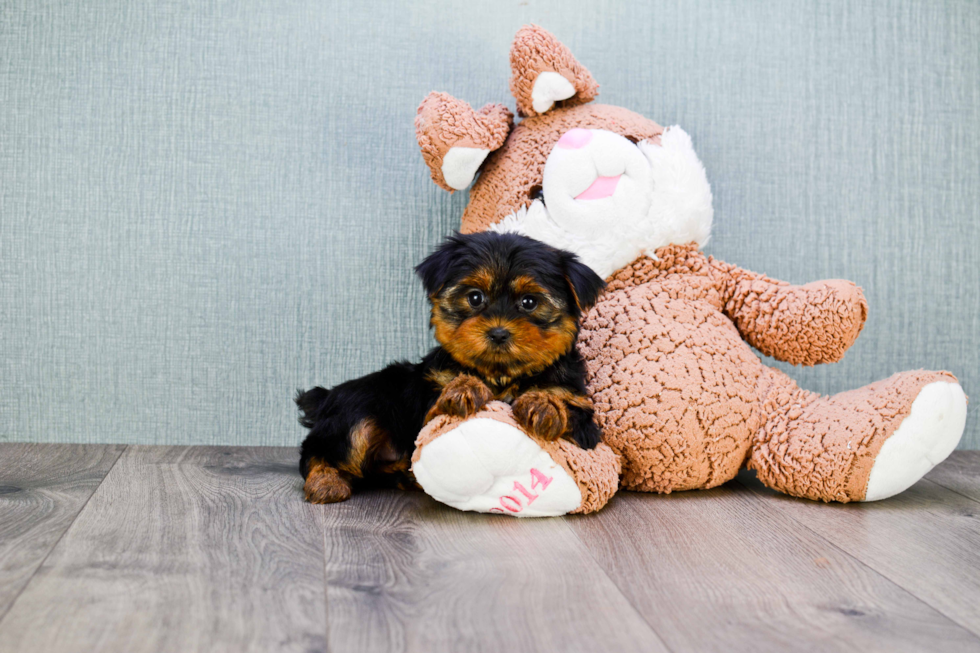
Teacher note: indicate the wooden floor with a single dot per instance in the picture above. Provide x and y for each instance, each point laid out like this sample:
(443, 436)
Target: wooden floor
(114, 548)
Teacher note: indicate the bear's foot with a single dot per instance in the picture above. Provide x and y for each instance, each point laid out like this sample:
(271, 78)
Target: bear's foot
(487, 463)
(862, 445)
(924, 439)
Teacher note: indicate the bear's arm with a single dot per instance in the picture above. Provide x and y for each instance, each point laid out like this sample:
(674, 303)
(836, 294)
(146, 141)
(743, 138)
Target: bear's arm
(802, 325)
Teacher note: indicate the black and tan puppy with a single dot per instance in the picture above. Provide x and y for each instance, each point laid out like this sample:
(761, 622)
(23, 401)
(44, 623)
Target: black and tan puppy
(506, 312)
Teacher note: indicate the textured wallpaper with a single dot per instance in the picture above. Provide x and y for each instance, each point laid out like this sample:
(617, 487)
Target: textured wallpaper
(207, 205)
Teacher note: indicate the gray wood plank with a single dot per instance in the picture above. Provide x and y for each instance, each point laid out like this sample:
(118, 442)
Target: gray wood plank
(926, 540)
(718, 571)
(182, 549)
(42, 489)
(959, 473)
(405, 573)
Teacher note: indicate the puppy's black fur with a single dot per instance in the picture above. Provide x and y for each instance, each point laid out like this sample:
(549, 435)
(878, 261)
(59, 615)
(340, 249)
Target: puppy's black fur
(506, 312)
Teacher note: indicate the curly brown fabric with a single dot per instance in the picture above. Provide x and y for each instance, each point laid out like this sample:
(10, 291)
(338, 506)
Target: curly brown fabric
(596, 471)
(672, 382)
(802, 325)
(534, 51)
(823, 448)
(683, 398)
(443, 122)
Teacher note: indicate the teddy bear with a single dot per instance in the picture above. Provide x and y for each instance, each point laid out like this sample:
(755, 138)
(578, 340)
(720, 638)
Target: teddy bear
(683, 400)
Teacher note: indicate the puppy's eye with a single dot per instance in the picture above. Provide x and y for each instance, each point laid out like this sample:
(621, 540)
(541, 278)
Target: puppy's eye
(475, 298)
(536, 192)
(529, 303)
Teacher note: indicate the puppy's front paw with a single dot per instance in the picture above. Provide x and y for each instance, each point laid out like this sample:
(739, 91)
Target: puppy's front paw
(324, 484)
(462, 397)
(542, 414)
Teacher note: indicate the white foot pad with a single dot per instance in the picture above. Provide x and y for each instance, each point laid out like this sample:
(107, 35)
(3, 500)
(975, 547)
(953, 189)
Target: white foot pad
(923, 440)
(488, 466)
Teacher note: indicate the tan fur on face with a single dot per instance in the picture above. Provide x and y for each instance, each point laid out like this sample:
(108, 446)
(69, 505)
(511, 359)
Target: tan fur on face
(482, 279)
(530, 349)
(524, 285)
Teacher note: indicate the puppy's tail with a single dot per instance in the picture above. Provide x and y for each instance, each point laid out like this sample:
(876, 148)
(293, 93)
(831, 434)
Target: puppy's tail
(311, 403)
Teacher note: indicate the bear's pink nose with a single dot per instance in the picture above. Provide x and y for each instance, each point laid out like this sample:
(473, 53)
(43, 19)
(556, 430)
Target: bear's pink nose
(575, 138)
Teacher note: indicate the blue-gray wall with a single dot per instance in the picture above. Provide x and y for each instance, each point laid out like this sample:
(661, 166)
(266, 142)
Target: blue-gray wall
(205, 205)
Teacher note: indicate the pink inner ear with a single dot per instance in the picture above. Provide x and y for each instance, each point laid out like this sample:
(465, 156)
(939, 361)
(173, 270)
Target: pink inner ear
(573, 139)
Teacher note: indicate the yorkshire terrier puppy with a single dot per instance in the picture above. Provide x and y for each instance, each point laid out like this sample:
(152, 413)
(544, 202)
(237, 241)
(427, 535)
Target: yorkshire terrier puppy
(505, 310)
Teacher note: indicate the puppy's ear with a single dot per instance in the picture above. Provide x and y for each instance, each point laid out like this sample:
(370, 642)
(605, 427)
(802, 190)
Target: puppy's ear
(585, 284)
(437, 267)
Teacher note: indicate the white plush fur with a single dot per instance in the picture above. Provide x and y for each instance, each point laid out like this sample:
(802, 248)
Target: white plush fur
(549, 87)
(923, 440)
(478, 463)
(460, 164)
(666, 200)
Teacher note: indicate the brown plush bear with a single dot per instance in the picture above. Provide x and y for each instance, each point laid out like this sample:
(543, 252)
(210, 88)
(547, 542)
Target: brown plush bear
(679, 393)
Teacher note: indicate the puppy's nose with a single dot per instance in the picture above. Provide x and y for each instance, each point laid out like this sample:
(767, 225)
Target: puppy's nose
(498, 335)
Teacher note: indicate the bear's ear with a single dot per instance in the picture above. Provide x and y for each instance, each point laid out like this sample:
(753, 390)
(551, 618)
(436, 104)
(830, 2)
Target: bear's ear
(455, 139)
(543, 71)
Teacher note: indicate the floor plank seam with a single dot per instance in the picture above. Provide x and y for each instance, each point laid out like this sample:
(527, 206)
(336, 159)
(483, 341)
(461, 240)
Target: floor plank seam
(619, 589)
(953, 490)
(867, 566)
(62, 536)
(322, 524)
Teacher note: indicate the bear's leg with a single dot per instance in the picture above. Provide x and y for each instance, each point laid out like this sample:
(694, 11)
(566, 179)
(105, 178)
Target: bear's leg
(487, 463)
(862, 445)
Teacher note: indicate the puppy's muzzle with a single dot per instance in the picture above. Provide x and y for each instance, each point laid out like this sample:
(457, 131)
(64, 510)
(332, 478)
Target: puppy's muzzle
(498, 335)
